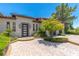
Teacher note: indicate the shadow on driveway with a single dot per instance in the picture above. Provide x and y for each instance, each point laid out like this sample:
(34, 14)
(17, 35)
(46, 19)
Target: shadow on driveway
(49, 43)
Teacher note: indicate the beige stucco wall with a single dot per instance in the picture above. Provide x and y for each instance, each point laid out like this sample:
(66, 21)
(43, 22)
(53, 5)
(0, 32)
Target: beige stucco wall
(19, 21)
(3, 22)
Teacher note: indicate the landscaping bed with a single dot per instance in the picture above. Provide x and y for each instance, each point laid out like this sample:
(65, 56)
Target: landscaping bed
(59, 39)
(74, 31)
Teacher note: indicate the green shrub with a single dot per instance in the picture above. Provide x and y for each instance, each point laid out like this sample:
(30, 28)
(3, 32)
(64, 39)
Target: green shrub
(71, 31)
(1, 52)
(56, 39)
(76, 32)
(40, 33)
(8, 32)
(4, 42)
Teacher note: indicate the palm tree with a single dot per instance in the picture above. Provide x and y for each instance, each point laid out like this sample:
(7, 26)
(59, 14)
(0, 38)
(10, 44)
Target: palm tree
(64, 14)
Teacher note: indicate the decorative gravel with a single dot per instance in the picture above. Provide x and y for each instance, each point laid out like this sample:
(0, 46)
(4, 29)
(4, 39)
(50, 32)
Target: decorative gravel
(39, 47)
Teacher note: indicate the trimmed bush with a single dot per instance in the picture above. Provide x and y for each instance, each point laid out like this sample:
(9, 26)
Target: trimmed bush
(56, 39)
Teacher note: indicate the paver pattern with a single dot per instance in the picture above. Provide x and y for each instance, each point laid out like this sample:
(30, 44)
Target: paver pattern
(74, 38)
(39, 47)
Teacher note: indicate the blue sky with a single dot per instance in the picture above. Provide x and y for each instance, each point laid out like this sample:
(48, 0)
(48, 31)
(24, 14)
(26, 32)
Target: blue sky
(35, 10)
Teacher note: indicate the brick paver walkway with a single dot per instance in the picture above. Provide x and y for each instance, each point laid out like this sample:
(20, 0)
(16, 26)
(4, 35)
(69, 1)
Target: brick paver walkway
(39, 47)
(73, 38)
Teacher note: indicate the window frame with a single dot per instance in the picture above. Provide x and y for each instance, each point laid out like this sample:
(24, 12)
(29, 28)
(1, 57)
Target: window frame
(8, 25)
(34, 27)
(14, 26)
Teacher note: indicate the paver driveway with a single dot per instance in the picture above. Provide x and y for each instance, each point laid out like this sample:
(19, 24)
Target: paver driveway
(74, 38)
(39, 47)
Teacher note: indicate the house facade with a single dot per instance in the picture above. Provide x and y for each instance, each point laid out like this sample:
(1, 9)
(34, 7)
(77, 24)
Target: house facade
(22, 26)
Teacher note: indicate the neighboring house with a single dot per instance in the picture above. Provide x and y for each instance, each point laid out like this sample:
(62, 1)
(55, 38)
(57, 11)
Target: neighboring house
(22, 26)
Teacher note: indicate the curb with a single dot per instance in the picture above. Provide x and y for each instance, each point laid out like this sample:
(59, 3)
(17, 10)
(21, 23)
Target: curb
(74, 43)
(26, 40)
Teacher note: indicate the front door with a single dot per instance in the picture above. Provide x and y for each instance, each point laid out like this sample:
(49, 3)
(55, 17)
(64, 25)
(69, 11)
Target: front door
(24, 30)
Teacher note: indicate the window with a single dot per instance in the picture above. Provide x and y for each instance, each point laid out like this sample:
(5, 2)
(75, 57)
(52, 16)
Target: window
(8, 25)
(36, 27)
(14, 26)
(33, 27)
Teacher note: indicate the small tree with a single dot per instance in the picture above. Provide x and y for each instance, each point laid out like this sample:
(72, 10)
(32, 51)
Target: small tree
(64, 13)
(51, 26)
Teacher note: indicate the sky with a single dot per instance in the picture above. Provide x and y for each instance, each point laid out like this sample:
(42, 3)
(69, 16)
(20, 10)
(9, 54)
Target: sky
(37, 10)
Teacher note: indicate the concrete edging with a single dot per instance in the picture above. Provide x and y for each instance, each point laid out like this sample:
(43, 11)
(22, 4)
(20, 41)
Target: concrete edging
(74, 43)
